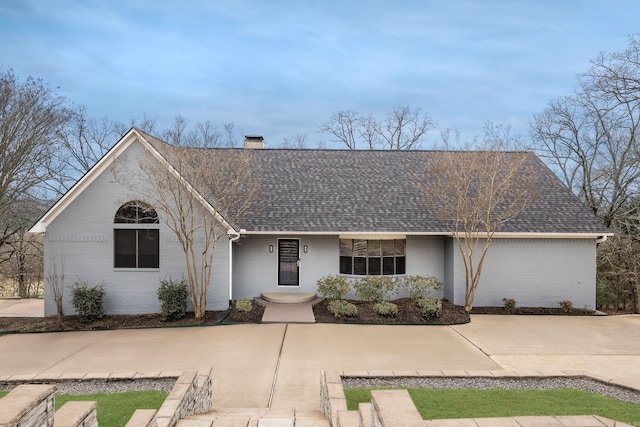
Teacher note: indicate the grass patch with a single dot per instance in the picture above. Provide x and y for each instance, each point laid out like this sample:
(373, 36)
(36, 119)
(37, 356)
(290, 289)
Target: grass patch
(115, 409)
(472, 403)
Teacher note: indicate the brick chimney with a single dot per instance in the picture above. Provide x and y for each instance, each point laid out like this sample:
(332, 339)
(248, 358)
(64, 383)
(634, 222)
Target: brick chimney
(255, 142)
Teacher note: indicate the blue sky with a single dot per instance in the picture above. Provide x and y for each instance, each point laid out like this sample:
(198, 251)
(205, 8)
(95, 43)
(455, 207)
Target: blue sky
(278, 68)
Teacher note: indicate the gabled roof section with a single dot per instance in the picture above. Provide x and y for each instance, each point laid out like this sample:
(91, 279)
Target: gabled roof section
(149, 142)
(346, 191)
(357, 192)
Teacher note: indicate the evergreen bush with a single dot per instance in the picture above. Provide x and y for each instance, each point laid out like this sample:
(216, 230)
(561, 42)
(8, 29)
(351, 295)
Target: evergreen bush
(333, 287)
(509, 305)
(375, 288)
(244, 305)
(420, 286)
(429, 307)
(386, 308)
(87, 300)
(173, 298)
(340, 308)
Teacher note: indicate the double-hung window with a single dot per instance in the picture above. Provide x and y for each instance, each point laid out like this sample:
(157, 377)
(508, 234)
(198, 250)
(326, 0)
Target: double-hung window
(136, 236)
(372, 257)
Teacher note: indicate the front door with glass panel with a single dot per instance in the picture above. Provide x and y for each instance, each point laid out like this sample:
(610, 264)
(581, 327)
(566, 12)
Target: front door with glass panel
(288, 262)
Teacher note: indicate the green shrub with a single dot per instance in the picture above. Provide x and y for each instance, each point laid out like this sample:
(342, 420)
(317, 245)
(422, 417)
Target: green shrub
(420, 286)
(87, 300)
(375, 288)
(509, 305)
(429, 307)
(566, 306)
(386, 308)
(173, 298)
(244, 305)
(341, 308)
(333, 287)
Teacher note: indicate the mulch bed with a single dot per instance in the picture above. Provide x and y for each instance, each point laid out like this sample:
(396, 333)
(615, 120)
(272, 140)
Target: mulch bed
(534, 310)
(408, 314)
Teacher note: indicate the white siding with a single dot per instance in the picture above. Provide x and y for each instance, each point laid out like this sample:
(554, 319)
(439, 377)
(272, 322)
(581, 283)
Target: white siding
(82, 235)
(534, 272)
(256, 269)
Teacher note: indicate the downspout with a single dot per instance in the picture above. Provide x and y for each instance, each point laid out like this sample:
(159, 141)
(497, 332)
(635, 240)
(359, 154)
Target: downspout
(233, 236)
(601, 239)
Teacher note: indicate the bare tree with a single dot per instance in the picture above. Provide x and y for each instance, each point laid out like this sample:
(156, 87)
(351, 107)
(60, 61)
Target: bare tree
(32, 117)
(619, 272)
(298, 141)
(55, 281)
(591, 136)
(474, 193)
(202, 193)
(343, 126)
(402, 129)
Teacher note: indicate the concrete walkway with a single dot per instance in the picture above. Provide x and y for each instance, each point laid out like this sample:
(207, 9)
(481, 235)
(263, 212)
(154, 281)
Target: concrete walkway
(288, 313)
(15, 307)
(278, 365)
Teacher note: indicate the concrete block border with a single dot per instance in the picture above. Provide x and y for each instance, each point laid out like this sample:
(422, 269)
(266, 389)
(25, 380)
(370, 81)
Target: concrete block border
(190, 395)
(333, 401)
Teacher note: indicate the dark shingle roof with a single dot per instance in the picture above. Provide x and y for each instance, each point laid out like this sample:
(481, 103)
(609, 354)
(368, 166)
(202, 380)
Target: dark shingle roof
(375, 191)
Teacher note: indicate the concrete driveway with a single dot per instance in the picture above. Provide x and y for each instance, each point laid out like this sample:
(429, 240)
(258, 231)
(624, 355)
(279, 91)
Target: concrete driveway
(279, 364)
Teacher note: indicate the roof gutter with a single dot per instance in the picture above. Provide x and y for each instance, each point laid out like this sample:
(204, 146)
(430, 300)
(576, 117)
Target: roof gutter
(233, 237)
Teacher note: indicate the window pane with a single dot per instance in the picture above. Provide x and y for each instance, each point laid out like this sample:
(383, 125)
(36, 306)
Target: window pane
(359, 248)
(373, 248)
(360, 266)
(124, 248)
(147, 215)
(388, 248)
(374, 266)
(148, 248)
(126, 214)
(346, 265)
(388, 265)
(400, 247)
(401, 267)
(346, 247)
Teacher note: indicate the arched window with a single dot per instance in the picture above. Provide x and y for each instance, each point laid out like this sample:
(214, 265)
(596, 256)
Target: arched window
(136, 236)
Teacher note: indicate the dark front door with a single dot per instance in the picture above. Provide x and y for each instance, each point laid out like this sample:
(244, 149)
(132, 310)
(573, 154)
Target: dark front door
(288, 262)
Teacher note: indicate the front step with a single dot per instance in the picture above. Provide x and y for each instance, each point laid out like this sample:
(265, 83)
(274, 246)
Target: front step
(256, 417)
(288, 297)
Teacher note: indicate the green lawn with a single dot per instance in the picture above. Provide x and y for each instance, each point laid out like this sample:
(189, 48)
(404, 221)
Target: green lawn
(471, 403)
(115, 409)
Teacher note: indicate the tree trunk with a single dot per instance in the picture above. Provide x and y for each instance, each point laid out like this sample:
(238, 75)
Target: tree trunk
(59, 308)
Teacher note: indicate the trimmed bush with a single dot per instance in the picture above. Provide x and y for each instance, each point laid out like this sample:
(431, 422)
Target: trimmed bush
(429, 307)
(509, 305)
(340, 308)
(87, 300)
(375, 288)
(566, 306)
(244, 305)
(385, 308)
(333, 287)
(173, 299)
(420, 286)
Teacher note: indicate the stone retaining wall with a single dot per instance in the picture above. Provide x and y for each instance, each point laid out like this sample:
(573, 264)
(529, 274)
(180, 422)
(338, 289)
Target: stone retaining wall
(28, 405)
(32, 405)
(333, 402)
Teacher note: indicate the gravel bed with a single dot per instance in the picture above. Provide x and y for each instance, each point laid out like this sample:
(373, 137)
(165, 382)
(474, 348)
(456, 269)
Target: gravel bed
(485, 383)
(113, 386)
